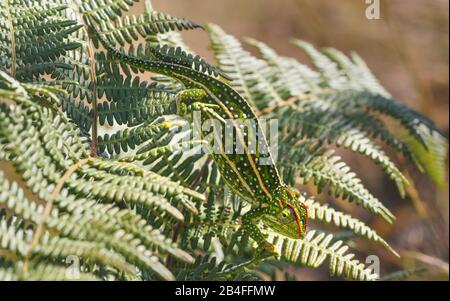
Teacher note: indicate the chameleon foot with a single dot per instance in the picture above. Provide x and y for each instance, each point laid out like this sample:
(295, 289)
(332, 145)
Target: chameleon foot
(266, 249)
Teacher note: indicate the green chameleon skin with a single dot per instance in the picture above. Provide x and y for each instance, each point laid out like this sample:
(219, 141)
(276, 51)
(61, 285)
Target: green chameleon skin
(276, 204)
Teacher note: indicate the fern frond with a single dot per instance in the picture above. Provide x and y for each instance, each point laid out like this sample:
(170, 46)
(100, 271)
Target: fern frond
(431, 155)
(356, 71)
(115, 88)
(56, 146)
(292, 76)
(329, 215)
(93, 223)
(127, 29)
(325, 168)
(354, 131)
(418, 127)
(127, 220)
(122, 141)
(341, 72)
(138, 176)
(14, 242)
(358, 141)
(332, 77)
(18, 241)
(192, 167)
(48, 272)
(328, 169)
(33, 34)
(80, 114)
(210, 268)
(315, 248)
(99, 10)
(247, 74)
(154, 104)
(56, 247)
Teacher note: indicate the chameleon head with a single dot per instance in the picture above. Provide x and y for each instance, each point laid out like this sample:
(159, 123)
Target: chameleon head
(187, 97)
(292, 220)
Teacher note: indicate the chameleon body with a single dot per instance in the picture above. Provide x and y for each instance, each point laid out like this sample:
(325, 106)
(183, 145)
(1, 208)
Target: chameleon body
(275, 204)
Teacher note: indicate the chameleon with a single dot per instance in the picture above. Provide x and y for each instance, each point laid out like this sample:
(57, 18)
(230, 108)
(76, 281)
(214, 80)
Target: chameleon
(273, 202)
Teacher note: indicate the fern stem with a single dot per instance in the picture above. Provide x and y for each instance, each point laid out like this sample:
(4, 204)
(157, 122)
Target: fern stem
(48, 208)
(92, 75)
(413, 194)
(176, 232)
(94, 133)
(13, 39)
(290, 101)
(286, 103)
(179, 224)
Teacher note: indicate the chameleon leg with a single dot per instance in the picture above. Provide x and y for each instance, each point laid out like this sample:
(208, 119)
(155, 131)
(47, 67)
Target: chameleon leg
(248, 226)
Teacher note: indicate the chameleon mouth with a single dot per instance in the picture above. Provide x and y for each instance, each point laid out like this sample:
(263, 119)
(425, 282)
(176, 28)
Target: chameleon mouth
(306, 216)
(297, 220)
(284, 229)
(301, 230)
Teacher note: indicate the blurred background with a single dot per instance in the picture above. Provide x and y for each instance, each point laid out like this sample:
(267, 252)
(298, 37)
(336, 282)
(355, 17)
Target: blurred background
(407, 49)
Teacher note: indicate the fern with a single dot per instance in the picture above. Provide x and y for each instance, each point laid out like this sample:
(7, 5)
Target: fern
(314, 249)
(109, 226)
(329, 215)
(106, 174)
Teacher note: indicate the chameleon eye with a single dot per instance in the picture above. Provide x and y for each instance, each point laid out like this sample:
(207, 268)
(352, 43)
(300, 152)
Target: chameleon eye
(286, 216)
